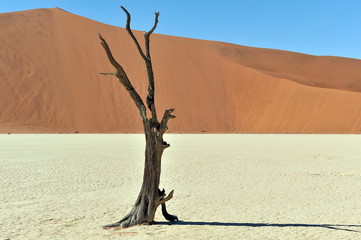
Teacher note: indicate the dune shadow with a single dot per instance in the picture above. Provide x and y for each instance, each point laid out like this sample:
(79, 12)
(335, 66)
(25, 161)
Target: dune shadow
(233, 224)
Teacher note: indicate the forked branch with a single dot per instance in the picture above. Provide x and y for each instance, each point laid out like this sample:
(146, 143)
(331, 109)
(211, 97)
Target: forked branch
(148, 62)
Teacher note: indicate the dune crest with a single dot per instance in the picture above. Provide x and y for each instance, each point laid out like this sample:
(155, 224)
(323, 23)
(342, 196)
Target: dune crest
(50, 60)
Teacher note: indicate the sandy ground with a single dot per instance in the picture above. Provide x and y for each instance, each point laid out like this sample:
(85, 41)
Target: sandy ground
(226, 186)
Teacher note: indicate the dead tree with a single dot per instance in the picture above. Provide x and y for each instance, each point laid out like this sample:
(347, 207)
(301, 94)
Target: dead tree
(150, 196)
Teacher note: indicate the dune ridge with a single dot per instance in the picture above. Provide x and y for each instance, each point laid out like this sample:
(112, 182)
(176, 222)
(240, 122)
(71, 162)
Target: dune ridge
(50, 60)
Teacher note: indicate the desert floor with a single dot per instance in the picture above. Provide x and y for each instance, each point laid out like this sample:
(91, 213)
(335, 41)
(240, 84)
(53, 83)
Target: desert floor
(226, 186)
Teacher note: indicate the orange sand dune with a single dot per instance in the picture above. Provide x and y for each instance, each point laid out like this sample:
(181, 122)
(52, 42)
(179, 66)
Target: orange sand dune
(50, 60)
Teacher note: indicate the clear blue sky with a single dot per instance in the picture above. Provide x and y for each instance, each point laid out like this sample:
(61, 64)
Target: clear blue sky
(319, 27)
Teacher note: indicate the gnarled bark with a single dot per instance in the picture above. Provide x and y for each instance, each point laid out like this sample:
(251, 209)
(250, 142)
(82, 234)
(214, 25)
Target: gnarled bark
(150, 196)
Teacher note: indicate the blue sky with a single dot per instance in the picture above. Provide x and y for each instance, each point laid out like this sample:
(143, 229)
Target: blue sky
(319, 27)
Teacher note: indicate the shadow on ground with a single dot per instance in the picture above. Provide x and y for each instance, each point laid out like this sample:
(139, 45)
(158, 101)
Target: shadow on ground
(231, 224)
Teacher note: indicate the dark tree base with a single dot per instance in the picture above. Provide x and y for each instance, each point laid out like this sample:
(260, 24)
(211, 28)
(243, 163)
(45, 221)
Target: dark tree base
(139, 215)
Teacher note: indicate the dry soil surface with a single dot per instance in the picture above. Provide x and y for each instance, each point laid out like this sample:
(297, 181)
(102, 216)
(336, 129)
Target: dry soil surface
(226, 186)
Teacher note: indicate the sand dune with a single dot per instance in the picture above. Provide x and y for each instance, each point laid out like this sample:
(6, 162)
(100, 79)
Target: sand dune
(50, 60)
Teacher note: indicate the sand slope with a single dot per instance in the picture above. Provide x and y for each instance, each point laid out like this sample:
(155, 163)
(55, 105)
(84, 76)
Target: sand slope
(287, 187)
(50, 60)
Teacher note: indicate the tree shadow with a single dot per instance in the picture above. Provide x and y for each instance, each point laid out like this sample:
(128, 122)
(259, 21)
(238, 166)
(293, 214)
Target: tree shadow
(232, 224)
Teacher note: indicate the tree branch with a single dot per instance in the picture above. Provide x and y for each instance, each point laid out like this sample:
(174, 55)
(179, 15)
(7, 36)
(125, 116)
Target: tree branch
(163, 124)
(114, 74)
(127, 26)
(115, 64)
(166, 215)
(151, 88)
(147, 59)
(124, 80)
(147, 34)
(165, 199)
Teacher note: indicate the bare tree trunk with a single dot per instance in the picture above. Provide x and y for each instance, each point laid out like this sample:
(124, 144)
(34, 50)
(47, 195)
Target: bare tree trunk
(150, 196)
